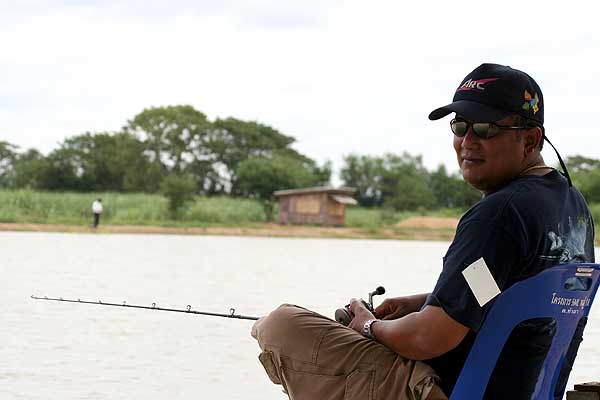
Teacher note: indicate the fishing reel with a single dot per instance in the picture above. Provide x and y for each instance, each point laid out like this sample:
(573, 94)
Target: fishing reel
(344, 315)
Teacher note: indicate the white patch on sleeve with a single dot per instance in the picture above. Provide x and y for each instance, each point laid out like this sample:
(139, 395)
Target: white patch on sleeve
(481, 281)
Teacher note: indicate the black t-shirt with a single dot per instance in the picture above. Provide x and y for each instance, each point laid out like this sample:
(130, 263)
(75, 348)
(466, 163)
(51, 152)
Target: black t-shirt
(531, 224)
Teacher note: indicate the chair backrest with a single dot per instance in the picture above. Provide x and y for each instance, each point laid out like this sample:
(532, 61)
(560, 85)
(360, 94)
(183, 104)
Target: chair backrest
(543, 295)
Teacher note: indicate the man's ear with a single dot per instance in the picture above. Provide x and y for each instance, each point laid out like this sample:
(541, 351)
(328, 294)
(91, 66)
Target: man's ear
(532, 137)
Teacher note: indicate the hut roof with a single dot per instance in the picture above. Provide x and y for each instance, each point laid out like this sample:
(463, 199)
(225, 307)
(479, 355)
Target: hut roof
(343, 191)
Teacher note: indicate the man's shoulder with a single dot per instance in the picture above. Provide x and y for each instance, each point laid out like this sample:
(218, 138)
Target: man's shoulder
(494, 206)
(525, 195)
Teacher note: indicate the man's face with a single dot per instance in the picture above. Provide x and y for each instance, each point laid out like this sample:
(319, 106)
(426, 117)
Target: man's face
(488, 164)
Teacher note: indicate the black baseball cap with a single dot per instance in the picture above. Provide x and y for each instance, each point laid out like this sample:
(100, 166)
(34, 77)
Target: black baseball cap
(493, 92)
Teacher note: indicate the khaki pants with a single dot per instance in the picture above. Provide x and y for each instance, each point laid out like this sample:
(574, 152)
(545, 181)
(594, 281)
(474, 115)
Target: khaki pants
(316, 358)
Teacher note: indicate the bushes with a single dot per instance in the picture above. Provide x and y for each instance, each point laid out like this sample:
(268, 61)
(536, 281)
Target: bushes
(179, 191)
(225, 210)
(26, 206)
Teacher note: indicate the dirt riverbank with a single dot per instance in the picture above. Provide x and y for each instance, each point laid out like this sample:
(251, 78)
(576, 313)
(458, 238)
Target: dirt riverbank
(416, 228)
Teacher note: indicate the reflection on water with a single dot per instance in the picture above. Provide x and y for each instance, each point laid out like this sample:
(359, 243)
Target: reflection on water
(75, 351)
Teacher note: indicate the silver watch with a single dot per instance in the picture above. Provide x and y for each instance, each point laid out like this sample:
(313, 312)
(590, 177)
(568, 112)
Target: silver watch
(366, 331)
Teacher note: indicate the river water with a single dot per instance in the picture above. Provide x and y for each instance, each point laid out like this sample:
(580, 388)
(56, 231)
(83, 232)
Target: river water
(51, 350)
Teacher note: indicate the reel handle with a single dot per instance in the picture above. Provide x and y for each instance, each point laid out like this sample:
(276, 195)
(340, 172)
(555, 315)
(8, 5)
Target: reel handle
(344, 315)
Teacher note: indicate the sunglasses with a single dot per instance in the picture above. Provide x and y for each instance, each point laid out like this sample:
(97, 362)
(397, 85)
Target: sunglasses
(483, 130)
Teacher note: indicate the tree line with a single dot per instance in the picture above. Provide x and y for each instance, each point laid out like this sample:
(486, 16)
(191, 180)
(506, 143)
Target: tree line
(178, 151)
(157, 143)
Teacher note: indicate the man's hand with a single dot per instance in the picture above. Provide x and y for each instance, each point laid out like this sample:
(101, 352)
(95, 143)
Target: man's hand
(361, 315)
(398, 307)
(420, 335)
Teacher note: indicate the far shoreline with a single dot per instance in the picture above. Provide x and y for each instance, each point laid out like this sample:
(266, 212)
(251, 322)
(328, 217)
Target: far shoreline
(431, 229)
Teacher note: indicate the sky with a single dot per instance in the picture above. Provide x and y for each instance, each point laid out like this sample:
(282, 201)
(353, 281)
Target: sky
(342, 77)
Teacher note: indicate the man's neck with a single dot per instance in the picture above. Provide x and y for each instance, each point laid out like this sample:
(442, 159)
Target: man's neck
(536, 167)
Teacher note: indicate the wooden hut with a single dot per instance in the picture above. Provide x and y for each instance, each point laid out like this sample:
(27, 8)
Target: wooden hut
(317, 205)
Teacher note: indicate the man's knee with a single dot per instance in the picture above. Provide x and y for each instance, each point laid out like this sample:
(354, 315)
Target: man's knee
(292, 331)
(278, 323)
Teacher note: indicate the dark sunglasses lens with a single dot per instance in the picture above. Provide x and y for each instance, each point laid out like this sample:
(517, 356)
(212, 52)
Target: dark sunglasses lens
(482, 129)
(459, 128)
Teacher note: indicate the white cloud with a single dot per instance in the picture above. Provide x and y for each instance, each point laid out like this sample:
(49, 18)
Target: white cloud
(341, 77)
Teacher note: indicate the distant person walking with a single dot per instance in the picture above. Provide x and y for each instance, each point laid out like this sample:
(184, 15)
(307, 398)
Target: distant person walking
(97, 210)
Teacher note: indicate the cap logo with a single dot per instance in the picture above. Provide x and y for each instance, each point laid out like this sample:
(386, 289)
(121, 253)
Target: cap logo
(531, 102)
(476, 84)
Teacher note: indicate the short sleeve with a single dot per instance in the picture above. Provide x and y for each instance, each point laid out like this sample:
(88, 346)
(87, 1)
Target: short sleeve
(474, 239)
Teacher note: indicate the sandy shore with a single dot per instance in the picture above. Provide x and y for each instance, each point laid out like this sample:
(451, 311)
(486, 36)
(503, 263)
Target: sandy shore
(417, 228)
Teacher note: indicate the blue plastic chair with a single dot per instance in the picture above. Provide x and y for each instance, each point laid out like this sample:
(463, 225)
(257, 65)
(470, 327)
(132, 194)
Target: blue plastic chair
(543, 295)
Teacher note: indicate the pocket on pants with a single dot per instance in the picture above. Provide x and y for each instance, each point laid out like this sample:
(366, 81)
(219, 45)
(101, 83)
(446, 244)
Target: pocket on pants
(310, 386)
(266, 359)
(359, 385)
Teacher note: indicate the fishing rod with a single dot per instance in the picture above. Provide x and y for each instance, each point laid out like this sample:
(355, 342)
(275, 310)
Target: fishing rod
(342, 315)
(187, 310)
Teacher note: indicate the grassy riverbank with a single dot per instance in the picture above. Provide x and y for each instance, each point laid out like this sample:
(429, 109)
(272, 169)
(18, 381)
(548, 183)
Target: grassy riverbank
(44, 211)
(144, 213)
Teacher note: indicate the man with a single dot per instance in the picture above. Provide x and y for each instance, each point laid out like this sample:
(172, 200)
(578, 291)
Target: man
(97, 210)
(530, 217)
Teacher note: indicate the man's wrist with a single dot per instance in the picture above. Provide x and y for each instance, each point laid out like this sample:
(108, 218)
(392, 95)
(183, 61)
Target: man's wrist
(419, 301)
(368, 329)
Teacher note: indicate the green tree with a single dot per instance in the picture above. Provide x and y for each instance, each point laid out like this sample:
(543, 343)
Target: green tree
(157, 142)
(179, 191)
(129, 165)
(585, 173)
(322, 174)
(579, 164)
(402, 182)
(29, 170)
(452, 191)
(208, 177)
(104, 162)
(59, 172)
(119, 163)
(260, 177)
(232, 141)
(589, 184)
(90, 156)
(7, 159)
(173, 136)
(405, 183)
(365, 173)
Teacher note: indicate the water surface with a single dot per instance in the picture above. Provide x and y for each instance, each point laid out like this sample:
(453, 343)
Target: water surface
(72, 351)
